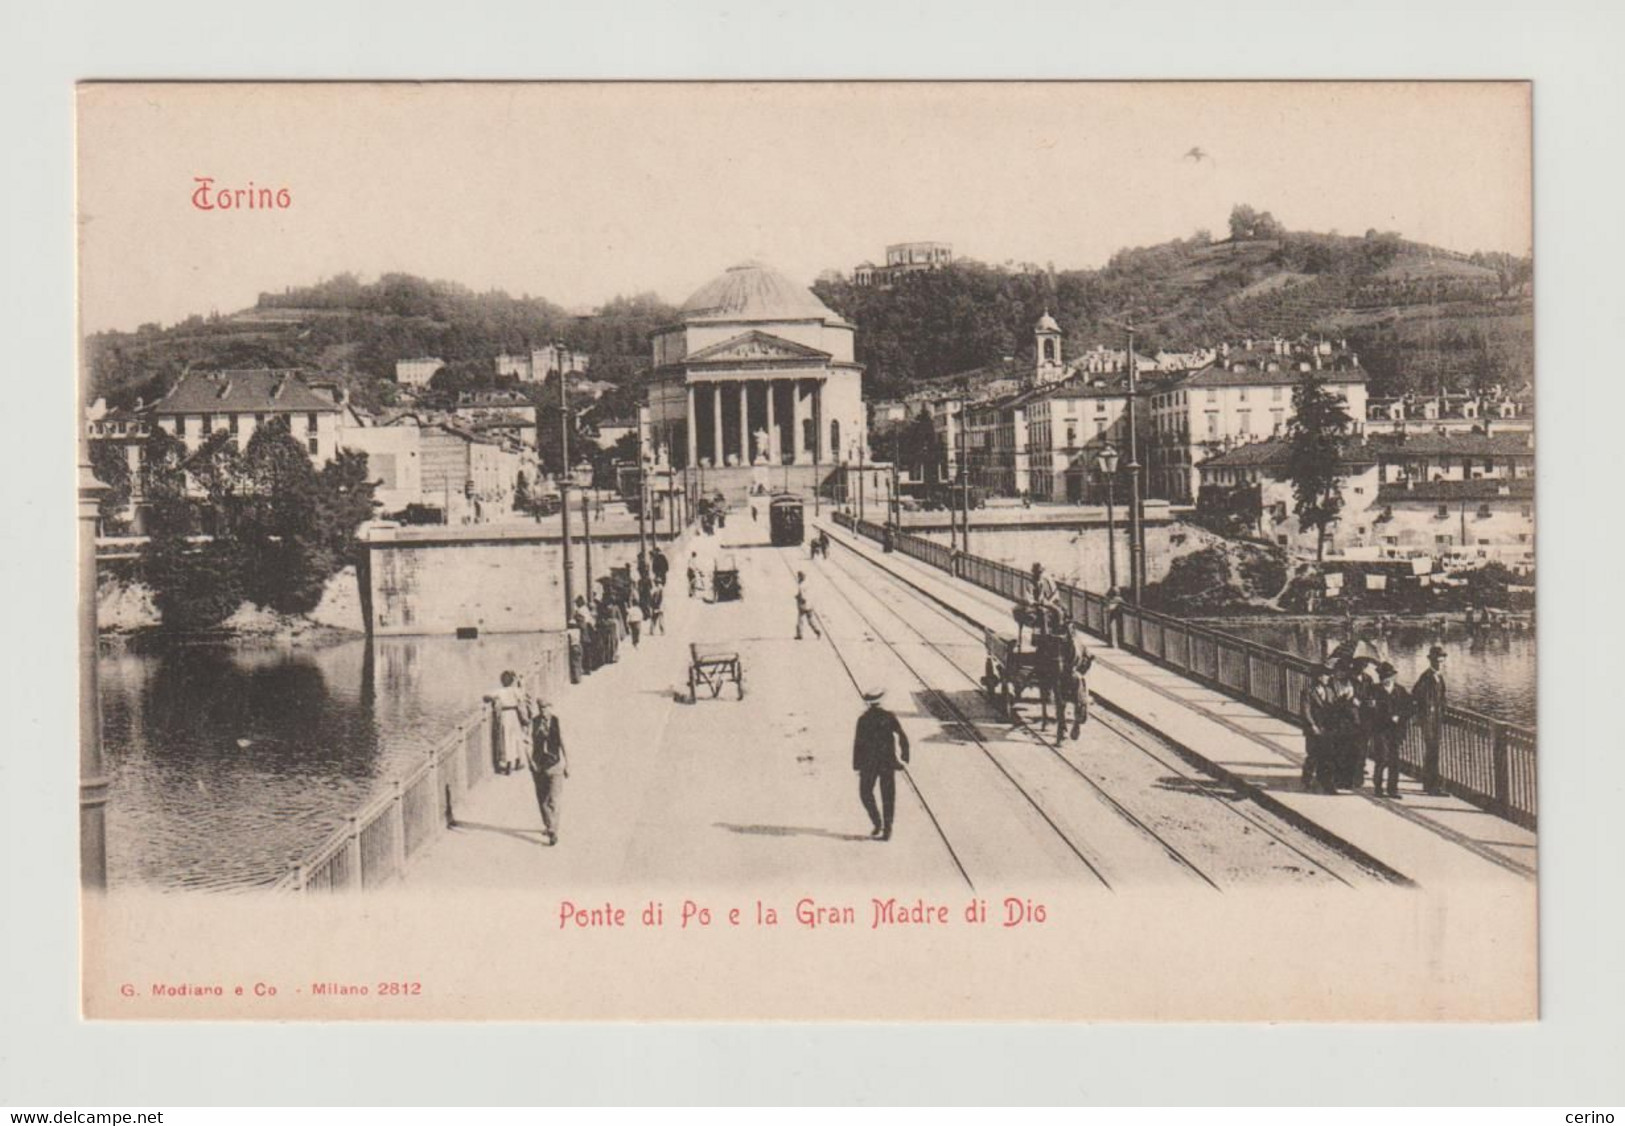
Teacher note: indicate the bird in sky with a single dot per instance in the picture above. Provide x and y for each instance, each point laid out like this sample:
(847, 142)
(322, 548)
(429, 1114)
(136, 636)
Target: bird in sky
(1198, 154)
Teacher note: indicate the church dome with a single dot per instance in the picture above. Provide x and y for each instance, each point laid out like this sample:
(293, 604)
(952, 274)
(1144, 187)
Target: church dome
(1046, 323)
(751, 291)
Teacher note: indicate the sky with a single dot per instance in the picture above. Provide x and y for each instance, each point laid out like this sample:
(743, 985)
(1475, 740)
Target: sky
(580, 192)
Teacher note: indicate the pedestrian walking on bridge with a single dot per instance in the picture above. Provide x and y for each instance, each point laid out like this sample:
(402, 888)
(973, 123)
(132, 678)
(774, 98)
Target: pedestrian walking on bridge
(804, 610)
(879, 751)
(548, 768)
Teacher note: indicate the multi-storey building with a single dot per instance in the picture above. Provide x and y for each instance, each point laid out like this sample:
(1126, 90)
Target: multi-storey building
(417, 371)
(1494, 413)
(904, 258)
(1244, 396)
(539, 363)
(240, 401)
(1068, 425)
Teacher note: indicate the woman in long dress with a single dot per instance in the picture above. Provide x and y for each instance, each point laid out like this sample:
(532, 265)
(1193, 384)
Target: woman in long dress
(514, 711)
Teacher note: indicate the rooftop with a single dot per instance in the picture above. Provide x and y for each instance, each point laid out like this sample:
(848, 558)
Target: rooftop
(1429, 443)
(242, 390)
(1220, 375)
(1273, 452)
(752, 291)
(1435, 491)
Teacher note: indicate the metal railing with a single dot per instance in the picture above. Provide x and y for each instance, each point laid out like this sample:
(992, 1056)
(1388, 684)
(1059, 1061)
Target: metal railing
(378, 839)
(1484, 761)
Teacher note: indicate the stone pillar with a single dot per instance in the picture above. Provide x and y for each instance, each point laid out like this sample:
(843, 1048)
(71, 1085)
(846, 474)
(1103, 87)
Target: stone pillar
(744, 422)
(795, 422)
(717, 458)
(772, 426)
(692, 454)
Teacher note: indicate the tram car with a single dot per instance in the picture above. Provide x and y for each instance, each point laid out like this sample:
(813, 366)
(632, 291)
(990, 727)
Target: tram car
(785, 522)
(1027, 660)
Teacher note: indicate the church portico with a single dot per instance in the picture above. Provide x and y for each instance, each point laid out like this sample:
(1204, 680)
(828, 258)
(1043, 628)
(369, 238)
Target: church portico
(759, 372)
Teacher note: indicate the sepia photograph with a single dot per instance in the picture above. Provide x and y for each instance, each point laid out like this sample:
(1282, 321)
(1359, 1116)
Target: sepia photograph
(807, 550)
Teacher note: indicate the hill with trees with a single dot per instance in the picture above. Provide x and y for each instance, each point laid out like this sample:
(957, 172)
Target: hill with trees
(1419, 317)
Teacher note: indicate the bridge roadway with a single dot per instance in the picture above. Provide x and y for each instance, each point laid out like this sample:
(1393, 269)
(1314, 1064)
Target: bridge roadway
(759, 793)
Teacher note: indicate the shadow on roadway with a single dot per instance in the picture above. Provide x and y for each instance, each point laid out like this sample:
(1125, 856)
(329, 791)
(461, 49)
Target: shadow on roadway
(789, 831)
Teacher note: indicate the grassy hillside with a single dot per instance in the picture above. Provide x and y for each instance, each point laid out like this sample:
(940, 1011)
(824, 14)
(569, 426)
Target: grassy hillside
(344, 330)
(1419, 317)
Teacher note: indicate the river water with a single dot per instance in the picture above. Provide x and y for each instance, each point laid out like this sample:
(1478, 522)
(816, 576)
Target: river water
(227, 760)
(1491, 672)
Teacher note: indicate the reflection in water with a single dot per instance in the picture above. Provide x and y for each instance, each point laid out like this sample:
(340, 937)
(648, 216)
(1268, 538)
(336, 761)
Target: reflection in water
(1489, 671)
(229, 760)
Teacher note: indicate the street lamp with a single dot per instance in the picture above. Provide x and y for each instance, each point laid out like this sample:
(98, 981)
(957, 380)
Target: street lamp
(1106, 462)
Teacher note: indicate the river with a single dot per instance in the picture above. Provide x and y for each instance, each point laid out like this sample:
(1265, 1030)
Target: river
(1491, 672)
(226, 760)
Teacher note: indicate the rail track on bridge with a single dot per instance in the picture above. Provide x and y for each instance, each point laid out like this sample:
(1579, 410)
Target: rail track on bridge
(1320, 859)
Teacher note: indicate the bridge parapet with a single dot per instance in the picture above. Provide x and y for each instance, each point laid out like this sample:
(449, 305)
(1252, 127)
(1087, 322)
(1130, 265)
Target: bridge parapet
(1484, 761)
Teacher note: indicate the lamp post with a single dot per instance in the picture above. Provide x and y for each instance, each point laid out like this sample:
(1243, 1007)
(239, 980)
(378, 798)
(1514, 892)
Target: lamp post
(1136, 547)
(564, 486)
(93, 783)
(1106, 462)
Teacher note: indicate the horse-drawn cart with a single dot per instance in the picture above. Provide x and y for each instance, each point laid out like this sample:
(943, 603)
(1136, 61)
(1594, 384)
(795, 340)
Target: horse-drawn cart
(1015, 664)
(713, 666)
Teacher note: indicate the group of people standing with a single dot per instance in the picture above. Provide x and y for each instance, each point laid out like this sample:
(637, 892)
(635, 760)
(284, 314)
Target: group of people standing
(624, 610)
(1357, 709)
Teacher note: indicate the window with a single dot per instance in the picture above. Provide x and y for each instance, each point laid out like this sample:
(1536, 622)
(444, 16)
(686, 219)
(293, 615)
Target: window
(1281, 540)
(208, 425)
(1444, 541)
(1277, 420)
(1444, 512)
(1212, 424)
(1100, 428)
(310, 422)
(231, 424)
(1212, 395)
(1275, 394)
(1523, 537)
(1245, 420)
(180, 426)
(1243, 394)
(1483, 512)
(1359, 490)
(1528, 511)
(313, 443)
(259, 420)
(1100, 406)
(1391, 541)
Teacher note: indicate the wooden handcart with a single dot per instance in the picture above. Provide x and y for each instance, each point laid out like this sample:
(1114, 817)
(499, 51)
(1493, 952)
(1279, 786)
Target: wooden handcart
(713, 666)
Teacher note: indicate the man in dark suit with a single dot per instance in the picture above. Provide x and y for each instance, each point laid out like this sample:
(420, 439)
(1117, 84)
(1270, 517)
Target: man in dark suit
(1428, 699)
(879, 750)
(1390, 709)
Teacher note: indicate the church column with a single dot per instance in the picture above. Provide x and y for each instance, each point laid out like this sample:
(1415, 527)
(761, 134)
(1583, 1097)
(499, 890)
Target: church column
(692, 454)
(772, 450)
(744, 422)
(795, 422)
(716, 430)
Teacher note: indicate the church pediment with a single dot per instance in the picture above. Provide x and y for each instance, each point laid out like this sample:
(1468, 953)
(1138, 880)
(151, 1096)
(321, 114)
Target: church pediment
(755, 347)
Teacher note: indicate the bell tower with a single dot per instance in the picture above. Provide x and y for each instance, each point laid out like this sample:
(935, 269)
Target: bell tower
(1048, 365)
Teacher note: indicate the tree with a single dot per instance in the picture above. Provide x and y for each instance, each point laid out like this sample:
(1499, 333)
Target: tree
(1242, 220)
(112, 469)
(1315, 436)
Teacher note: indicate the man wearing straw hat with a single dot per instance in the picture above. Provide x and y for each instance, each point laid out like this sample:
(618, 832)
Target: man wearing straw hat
(879, 751)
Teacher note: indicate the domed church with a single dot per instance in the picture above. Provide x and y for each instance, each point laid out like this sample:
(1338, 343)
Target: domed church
(759, 371)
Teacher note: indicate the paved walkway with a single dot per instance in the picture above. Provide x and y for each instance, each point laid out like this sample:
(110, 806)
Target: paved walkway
(1430, 840)
(723, 793)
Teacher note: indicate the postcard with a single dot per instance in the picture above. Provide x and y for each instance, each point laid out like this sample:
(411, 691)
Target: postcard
(804, 551)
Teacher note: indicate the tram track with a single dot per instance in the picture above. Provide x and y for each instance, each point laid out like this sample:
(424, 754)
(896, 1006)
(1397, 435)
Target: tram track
(1195, 782)
(1074, 842)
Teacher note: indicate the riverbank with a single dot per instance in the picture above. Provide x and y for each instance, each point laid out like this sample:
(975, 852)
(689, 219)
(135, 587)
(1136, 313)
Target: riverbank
(127, 618)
